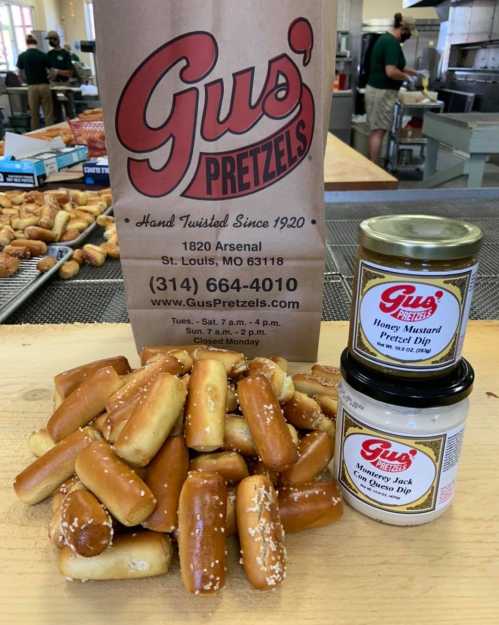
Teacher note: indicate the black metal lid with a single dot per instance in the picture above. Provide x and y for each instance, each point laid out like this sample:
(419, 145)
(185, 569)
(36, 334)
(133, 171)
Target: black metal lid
(413, 393)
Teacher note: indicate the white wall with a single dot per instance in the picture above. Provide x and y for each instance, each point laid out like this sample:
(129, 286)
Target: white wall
(72, 18)
(377, 9)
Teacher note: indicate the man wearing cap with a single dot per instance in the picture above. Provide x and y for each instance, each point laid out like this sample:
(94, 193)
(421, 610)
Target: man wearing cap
(59, 59)
(61, 70)
(387, 73)
(33, 65)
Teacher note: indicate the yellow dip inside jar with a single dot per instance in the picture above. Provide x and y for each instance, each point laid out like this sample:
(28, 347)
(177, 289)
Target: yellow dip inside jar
(412, 293)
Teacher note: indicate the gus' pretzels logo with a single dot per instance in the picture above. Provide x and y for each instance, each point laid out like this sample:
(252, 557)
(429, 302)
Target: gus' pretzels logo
(224, 175)
(404, 304)
(381, 455)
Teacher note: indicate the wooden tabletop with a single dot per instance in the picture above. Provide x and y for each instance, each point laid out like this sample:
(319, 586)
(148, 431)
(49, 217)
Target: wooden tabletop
(357, 572)
(345, 169)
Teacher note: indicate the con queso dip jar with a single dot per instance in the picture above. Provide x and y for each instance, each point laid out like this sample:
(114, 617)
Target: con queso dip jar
(412, 293)
(398, 442)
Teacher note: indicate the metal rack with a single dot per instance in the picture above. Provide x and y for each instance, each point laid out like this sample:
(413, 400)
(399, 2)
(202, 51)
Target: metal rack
(396, 155)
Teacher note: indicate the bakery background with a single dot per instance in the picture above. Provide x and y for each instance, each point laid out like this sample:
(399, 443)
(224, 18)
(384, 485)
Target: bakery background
(431, 162)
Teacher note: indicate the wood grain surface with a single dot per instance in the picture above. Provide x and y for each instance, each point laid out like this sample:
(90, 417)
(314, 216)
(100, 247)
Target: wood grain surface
(345, 169)
(357, 572)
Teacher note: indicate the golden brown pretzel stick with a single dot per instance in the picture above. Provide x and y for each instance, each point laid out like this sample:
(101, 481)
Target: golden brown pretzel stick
(314, 385)
(39, 234)
(237, 436)
(87, 527)
(184, 359)
(205, 414)
(118, 418)
(112, 481)
(328, 404)
(310, 505)
(153, 350)
(332, 374)
(229, 464)
(154, 416)
(315, 452)
(260, 532)
(85, 403)
(282, 362)
(139, 379)
(67, 381)
(37, 248)
(281, 383)
(234, 362)
(201, 532)
(45, 474)
(141, 554)
(165, 477)
(40, 442)
(266, 422)
(305, 413)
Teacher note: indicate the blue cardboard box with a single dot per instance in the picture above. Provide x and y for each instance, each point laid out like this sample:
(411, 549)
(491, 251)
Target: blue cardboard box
(34, 170)
(96, 172)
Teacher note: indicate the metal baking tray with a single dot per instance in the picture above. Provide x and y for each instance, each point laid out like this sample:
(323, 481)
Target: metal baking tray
(16, 289)
(85, 234)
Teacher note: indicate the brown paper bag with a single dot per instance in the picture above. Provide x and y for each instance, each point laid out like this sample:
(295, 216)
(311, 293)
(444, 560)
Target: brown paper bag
(215, 115)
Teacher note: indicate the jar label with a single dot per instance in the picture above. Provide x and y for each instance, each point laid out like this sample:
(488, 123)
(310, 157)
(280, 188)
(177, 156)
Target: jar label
(411, 321)
(398, 473)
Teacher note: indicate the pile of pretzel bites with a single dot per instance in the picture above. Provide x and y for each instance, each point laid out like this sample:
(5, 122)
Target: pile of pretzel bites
(197, 445)
(32, 220)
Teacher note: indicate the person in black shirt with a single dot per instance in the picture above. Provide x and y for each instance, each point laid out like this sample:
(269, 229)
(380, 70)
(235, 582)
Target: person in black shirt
(61, 67)
(33, 65)
(61, 71)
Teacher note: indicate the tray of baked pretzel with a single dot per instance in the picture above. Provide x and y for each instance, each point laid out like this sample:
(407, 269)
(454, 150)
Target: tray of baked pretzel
(22, 276)
(55, 217)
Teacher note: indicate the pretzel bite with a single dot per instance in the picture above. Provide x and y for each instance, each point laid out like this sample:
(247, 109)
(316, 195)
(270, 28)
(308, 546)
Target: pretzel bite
(39, 234)
(46, 263)
(47, 217)
(60, 223)
(314, 385)
(69, 269)
(231, 520)
(229, 464)
(17, 252)
(131, 556)
(234, 362)
(282, 362)
(7, 235)
(281, 383)
(85, 403)
(315, 452)
(237, 436)
(165, 477)
(140, 379)
(204, 423)
(153, 350)
(314, 504)
(8, 265)
(67, 381)
(20, 223)
(45, 474)
(94, 255)
(87, 527)
(201, 532)
(332, 374)
(39, 442)
(37, 248)
(305, 413)
(328, 404)
(268, 428)
(260, 532)
(152, 420)
(112, 481)
(118, 418)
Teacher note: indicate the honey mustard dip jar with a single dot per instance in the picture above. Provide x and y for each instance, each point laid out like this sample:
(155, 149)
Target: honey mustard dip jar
(412, 293)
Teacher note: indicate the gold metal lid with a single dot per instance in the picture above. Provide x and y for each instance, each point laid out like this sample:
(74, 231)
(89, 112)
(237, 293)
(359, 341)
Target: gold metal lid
(421, 237)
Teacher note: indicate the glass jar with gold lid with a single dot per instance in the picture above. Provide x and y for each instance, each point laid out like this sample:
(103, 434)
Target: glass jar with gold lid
(412, 293)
